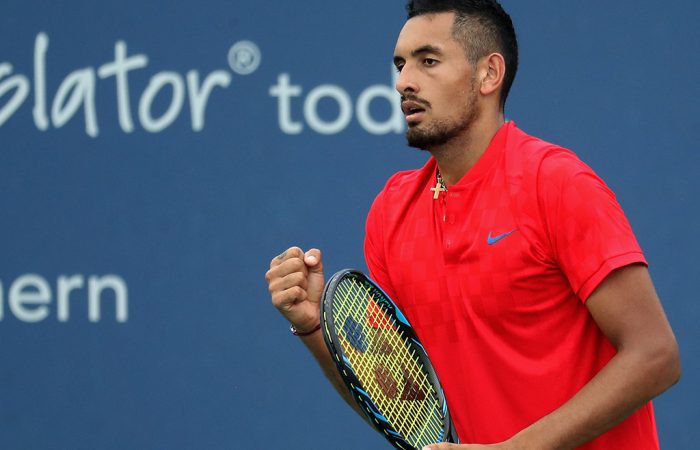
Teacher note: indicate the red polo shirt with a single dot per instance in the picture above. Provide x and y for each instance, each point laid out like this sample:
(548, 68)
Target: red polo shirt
(494, 275)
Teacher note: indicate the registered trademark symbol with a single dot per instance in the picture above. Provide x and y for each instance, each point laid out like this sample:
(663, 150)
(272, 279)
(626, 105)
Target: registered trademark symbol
(244, 57)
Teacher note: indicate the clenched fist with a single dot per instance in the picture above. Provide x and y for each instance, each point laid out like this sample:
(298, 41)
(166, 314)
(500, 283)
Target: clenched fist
(295, 281)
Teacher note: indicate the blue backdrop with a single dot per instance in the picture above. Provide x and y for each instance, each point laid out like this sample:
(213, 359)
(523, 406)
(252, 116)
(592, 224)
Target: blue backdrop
(155, 155)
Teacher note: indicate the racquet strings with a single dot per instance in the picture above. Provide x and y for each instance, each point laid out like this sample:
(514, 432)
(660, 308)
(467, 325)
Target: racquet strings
(386, 364)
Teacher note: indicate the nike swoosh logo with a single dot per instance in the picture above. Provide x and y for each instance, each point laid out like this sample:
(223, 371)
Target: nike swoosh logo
(493, 239)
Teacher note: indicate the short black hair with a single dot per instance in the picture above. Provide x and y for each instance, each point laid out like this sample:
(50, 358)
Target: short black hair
(482, 26)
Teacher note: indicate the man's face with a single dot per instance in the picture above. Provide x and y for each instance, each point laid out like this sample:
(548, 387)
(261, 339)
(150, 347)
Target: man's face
(437, 83)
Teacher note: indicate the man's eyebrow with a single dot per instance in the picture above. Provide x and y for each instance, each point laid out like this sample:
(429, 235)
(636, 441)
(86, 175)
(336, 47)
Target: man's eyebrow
(428, 48)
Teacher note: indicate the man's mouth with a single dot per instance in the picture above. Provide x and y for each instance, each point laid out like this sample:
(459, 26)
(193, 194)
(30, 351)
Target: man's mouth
(412, 110)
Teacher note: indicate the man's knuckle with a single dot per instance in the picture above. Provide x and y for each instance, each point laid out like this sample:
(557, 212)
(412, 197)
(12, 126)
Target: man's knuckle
(298, 293)
(298, 278)
(295, 265)
(272, 289)
(276, 299)
(294, 252)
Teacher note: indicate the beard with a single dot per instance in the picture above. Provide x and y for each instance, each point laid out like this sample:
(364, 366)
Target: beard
(440, 132)
(435, 135)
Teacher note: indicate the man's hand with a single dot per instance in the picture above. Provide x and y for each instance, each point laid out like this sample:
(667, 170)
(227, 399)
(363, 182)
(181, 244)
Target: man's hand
(295, 281)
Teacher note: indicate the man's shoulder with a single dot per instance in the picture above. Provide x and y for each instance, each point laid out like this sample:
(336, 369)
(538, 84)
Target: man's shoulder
(403, 189)
(532, 148)
(408, 180)
(531, 155)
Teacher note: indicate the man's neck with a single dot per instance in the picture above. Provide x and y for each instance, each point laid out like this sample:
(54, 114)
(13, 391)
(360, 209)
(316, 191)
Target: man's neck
(456, 157)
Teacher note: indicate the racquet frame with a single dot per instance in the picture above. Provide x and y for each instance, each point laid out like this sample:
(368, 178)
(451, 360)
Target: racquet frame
(348, 373)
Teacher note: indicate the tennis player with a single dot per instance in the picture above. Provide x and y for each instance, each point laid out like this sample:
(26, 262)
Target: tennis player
(511, 258)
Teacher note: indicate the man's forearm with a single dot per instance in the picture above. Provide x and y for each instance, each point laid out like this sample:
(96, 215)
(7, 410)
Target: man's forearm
(317, 347)
(626, 383)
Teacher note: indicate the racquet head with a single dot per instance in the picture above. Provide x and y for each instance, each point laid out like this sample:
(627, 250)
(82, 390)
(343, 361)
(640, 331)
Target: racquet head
(383, 363)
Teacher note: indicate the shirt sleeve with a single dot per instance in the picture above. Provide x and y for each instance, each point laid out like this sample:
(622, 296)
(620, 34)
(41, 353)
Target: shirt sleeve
(374, 247)
(589, 233)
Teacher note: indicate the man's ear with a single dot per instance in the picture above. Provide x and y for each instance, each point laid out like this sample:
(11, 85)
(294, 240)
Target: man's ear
(491, 72)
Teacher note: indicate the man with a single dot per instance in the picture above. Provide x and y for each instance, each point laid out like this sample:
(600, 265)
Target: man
(510, 257)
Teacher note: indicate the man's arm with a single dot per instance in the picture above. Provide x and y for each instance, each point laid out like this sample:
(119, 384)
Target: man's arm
(296, 281)
(627, 310)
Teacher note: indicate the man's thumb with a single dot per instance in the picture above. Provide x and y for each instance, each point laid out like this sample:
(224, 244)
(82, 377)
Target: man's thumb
(313, 260)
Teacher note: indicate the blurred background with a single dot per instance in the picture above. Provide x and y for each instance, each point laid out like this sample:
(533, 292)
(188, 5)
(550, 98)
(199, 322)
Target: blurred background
(154, 156)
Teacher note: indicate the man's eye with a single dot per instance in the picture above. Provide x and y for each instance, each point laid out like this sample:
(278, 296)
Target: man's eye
(398, 68)
(430, 61)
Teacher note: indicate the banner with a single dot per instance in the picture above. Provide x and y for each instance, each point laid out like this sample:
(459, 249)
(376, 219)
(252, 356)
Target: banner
(156, 156)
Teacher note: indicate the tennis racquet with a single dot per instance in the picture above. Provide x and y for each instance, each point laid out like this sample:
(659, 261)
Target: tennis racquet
(383, 363)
